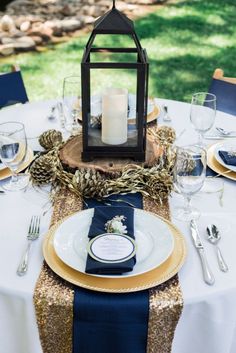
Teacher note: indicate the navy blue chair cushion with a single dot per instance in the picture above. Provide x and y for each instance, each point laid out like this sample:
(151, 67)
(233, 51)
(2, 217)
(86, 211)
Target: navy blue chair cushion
(225, 95)
(12, 89)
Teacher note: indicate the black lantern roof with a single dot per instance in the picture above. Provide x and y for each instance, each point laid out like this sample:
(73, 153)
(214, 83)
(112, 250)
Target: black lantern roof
(114, 22)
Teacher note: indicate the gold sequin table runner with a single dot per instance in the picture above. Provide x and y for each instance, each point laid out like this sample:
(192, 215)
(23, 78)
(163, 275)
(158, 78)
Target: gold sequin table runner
(53, 296)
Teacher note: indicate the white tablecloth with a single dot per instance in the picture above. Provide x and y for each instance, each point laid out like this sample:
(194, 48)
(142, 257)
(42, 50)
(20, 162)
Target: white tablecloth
(208, 322)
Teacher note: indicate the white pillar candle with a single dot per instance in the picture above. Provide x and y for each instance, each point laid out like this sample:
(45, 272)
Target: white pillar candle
(114, 116)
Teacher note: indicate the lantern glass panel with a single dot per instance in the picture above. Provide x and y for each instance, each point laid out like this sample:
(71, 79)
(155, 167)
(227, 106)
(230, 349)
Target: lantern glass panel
(114, 40)
(106, 56)
(112, 114)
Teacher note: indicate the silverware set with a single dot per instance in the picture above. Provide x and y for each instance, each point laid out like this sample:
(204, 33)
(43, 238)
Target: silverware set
(213, 236)
(33, 234)
(222, 133)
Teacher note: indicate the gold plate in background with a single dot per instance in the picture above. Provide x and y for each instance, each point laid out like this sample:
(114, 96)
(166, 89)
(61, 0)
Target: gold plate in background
(150, 117)
(118, 284)
(216, 166)
(6, 173)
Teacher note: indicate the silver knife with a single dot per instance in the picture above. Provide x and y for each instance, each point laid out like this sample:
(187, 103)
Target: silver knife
(211, 137)
(207, 274)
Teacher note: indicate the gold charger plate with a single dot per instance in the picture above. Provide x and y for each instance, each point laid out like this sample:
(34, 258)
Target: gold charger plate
(119, 284)
(6, 173)
(216, 166)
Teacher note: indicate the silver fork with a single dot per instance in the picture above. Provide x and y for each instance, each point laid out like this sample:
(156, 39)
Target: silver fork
(33, 234)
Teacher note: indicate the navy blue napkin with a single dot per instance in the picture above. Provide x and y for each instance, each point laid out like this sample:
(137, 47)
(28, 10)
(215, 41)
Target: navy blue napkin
(227, 158)
(111, 322)
(101, 216)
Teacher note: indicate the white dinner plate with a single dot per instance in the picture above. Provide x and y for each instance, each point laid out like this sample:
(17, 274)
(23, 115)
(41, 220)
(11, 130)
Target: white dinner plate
(225, 146)
(153, 238)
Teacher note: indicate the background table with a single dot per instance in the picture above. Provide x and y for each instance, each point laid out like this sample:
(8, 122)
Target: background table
(208, 321)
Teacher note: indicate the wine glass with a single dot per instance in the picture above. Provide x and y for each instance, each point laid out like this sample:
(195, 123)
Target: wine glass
(13, 149)
(202, 114)
(189, 177)
(72, 104)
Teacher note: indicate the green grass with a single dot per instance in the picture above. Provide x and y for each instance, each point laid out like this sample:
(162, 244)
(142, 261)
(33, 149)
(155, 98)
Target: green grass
(185, 41)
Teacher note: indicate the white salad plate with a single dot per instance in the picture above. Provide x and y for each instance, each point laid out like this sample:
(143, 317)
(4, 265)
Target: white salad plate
(153, 238)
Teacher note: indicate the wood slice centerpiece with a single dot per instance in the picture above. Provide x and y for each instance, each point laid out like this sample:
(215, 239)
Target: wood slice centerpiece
(70, 155)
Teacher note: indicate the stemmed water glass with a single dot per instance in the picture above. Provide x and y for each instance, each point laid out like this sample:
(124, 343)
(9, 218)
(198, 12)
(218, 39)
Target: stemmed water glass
(202, 114)
(189, 177)
(71, 103)
(13, 149)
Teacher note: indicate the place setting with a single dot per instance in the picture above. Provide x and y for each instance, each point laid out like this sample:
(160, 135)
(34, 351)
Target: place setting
(115, 262)
(219, 161)
(221, 158)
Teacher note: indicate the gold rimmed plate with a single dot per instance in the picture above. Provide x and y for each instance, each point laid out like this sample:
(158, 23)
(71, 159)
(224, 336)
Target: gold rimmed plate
(153, 239)
(120, 284)
(216, 166)
(6, 172)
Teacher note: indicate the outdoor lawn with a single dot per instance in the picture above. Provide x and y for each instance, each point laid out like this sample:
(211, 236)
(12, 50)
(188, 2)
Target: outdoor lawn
(185, 41)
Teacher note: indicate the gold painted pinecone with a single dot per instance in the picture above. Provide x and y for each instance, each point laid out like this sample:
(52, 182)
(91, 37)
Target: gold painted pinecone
(166, 135)
(50, 139)
(42, 170)
(90, 183)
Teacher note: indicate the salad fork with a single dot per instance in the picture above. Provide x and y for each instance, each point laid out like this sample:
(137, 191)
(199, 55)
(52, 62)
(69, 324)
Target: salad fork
(33, 234)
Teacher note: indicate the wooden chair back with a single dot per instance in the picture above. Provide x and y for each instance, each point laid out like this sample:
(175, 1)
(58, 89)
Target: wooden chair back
(225, 90)
(12, 88)
(219, 75)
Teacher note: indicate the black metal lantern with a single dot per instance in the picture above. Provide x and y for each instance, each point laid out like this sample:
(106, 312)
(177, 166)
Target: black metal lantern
(114, 116)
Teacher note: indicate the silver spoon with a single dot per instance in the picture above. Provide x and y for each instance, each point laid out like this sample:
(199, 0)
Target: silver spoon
(224, 132)
(214, 237)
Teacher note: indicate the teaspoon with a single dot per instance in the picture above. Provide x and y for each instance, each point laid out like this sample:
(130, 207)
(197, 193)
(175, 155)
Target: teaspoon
(214, 237)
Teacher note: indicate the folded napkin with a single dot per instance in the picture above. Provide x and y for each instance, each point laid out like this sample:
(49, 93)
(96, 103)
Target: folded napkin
(228, 157)
(100, 218)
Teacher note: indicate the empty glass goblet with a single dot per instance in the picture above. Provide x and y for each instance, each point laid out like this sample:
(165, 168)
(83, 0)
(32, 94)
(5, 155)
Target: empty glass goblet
(72, 104)
(13, 149)
(189, 176)
(202, 114)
